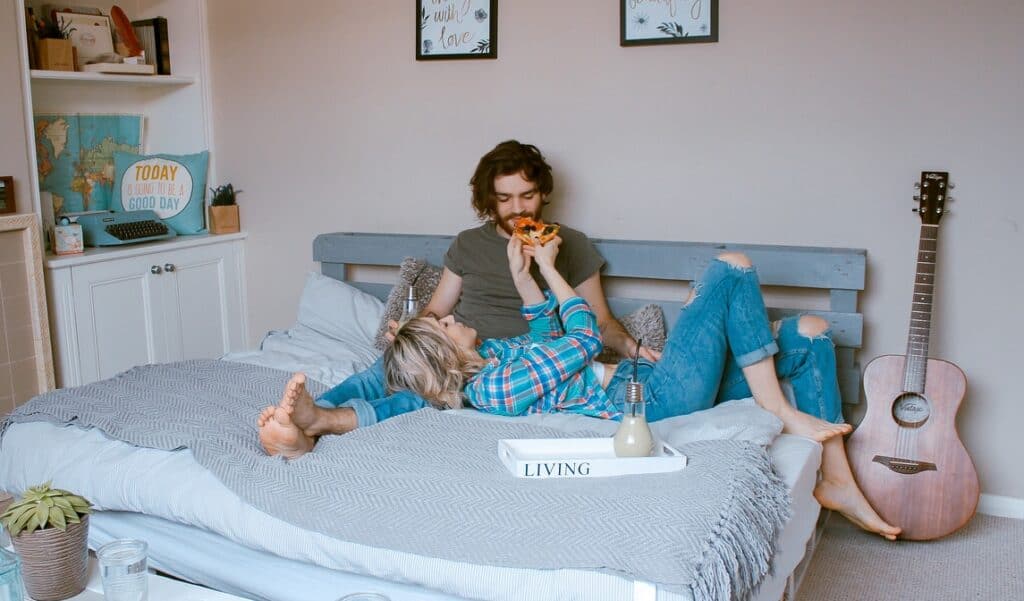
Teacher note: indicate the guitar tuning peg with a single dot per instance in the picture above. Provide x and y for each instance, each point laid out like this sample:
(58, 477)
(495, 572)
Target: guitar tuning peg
(917, 197)
(917, 185)
(941, 211)
(952, 185)
(950, 199)
(915, 210)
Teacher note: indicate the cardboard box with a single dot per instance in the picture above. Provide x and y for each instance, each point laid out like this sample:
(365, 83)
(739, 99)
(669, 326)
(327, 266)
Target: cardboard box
(56, 55)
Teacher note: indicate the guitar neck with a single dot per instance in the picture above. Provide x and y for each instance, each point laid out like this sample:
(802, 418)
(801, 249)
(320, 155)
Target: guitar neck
(921, 310)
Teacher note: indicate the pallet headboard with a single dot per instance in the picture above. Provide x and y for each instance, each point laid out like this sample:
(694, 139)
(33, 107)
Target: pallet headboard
(839, 271)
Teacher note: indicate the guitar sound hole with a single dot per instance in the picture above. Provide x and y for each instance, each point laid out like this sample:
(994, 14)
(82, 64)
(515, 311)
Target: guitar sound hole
(911, 410)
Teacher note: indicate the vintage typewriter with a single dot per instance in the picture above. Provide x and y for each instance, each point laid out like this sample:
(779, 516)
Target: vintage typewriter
(129, 227)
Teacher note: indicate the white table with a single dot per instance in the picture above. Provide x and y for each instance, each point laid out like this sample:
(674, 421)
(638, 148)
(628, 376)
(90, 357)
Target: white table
(160, 589)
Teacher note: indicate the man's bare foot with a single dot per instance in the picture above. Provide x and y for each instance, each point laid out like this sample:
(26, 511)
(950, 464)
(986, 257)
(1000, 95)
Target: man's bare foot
(280, 436)
(849, 501)
(802, 424)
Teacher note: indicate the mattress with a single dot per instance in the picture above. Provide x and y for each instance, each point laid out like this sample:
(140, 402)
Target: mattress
(240, 550)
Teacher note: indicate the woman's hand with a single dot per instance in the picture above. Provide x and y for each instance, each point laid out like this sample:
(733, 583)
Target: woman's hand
(545, 254)
(518, 261)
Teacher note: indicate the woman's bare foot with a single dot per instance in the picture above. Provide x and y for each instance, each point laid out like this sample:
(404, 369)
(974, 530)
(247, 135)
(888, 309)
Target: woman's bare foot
(280, 436)
(802, 424)
(297, 401)
(284, 427)
(848, 500)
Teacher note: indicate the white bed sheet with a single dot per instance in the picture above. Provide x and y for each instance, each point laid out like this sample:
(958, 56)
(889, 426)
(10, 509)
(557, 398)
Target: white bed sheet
(171, 485)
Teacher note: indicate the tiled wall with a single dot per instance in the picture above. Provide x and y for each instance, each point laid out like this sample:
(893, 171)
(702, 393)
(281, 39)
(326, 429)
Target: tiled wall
(19, 380)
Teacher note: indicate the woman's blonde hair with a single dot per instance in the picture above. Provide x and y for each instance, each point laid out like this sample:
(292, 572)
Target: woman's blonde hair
(424, 361)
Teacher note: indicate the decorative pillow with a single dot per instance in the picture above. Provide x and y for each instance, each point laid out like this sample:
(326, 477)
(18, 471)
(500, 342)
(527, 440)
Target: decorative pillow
(338, 310)
(172, 186)
(419, 274)
(646, 323)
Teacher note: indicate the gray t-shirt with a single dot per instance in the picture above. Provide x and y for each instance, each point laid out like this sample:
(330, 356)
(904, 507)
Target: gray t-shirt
(489, 301)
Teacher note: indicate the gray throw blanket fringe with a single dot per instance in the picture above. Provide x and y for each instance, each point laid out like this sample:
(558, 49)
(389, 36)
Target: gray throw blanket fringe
(431, 483)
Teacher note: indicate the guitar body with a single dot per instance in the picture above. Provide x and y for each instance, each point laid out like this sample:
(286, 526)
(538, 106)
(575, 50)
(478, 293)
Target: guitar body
(907, 456)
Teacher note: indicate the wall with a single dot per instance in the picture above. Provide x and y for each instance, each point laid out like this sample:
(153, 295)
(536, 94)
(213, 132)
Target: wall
(13, 145)
(806, 124)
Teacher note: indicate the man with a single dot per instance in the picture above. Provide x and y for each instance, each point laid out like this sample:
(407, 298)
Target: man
(513, 180)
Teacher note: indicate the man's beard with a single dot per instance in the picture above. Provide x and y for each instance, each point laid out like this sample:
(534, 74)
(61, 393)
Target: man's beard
(507, 225)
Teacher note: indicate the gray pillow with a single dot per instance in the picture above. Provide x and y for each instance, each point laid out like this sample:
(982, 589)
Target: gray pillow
(423, 277)
(647, 323)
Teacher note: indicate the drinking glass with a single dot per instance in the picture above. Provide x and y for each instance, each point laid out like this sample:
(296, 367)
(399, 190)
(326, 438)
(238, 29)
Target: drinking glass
(10, 577)
(123, 569)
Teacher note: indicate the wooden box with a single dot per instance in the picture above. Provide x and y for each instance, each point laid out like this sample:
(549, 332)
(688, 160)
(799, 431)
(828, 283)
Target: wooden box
(56, 55)
(224, 219)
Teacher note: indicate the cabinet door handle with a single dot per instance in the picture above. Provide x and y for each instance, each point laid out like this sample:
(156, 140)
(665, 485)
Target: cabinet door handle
(155, 270)
(169, 267)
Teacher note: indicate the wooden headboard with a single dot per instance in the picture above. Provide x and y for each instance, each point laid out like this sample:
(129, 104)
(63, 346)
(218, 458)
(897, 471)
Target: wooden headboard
(839, 271)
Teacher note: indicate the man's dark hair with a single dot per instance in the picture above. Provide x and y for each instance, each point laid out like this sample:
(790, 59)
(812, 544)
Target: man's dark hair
(508, 158)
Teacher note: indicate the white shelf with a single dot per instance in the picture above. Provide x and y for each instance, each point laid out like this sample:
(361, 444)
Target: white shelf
(105, 253)
(107, 78)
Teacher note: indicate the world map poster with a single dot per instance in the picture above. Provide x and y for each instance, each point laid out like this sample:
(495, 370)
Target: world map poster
(75, 155)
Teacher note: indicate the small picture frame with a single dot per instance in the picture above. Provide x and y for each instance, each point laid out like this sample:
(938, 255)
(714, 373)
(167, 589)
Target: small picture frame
(7, 204)
(446, 29)
(90, 34)
(652, 22)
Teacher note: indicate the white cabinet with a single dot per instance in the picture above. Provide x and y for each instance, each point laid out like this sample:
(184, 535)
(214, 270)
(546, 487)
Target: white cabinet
(111, 310)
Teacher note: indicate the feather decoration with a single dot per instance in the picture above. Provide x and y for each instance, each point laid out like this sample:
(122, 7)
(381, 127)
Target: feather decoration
(125, 31)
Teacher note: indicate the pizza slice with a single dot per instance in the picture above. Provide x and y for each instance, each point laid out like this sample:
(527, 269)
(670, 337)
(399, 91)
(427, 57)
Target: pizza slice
(534, 231)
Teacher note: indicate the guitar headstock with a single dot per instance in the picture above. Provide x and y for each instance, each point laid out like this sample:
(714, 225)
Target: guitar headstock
(934, 192)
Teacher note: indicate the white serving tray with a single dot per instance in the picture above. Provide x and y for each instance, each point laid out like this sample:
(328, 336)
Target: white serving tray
(581, 458)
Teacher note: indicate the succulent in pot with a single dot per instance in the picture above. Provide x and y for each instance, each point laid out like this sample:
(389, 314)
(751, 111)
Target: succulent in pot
(49, 528)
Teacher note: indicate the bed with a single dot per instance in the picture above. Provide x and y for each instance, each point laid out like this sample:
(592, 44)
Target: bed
(166, 496)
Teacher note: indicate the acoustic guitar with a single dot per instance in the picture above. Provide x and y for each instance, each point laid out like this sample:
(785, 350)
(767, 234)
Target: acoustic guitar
(906, 455)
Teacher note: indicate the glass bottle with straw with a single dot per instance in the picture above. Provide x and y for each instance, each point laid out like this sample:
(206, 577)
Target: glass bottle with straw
(633, 438)
(410, 308)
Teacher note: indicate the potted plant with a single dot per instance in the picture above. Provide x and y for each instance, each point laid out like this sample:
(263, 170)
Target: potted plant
(224, 210)
(49, 528)
(53, 48)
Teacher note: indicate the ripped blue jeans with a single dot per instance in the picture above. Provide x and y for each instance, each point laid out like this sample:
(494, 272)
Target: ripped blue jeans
(723, 329)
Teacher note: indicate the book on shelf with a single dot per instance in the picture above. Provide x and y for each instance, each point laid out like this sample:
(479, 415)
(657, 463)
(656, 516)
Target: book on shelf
(152, 34)
(122, 68)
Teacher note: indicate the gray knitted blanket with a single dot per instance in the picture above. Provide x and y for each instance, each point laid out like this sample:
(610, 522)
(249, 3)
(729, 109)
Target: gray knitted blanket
(431, 483)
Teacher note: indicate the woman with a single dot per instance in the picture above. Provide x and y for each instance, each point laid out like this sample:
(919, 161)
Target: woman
(721, 347)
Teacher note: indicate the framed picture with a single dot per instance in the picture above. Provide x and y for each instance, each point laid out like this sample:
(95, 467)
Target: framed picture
(448, 29)
(29, 364)
(648, 22)
(90, 34)
(7, 195)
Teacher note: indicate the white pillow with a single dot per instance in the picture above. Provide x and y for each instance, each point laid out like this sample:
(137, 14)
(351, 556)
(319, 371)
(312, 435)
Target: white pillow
(336, 309)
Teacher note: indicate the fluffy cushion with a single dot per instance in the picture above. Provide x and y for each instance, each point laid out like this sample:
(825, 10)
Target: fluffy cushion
(172, 186)
(338, 310)
(646, 323)
(419, 274)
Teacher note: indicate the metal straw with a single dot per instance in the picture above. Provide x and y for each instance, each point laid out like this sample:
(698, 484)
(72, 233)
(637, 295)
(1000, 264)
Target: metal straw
(636, 356)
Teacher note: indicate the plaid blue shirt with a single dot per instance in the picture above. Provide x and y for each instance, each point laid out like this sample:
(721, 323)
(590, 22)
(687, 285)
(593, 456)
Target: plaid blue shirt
(546, 370)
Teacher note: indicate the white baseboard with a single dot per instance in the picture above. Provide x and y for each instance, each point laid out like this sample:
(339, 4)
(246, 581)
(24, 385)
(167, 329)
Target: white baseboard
(1006, 507)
